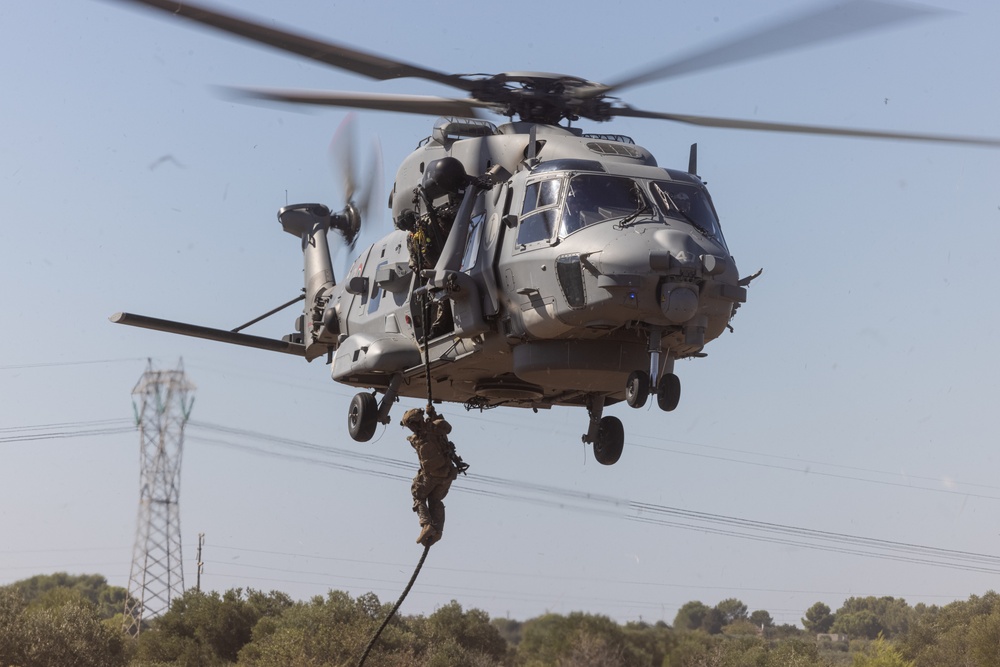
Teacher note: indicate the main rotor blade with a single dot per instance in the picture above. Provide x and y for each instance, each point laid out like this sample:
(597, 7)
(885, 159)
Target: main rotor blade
(808, 29)
(342, 57)
(420, 104)
(737, 124)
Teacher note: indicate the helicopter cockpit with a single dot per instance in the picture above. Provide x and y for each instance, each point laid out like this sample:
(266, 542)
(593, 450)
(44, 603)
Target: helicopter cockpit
(593, 198)
(680, 201)
(558, 203)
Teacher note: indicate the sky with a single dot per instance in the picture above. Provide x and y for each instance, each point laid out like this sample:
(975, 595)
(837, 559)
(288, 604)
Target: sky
(845, 424)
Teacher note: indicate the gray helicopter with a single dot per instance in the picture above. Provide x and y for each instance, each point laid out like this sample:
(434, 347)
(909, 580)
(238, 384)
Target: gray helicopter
(532, 264)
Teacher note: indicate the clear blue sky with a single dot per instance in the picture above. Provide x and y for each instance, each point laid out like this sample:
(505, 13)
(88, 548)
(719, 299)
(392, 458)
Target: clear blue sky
(856, 396)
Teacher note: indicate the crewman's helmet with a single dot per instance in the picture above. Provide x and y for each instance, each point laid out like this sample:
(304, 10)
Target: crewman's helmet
(412, 417)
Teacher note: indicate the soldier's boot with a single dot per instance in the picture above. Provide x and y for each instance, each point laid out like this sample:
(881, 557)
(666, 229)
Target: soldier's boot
(428, 536)
(437, 519)
(426, 524)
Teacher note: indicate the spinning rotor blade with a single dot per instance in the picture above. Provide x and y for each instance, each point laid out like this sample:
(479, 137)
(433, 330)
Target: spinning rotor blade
(737, 124)
(419, 104)
(342, 156)
(805, 30)
(342, 57)
(359, 201)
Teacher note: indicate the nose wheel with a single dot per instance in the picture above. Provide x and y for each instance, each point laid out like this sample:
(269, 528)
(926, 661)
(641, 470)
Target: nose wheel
(668, 393)
(665, 385)
(637, 389)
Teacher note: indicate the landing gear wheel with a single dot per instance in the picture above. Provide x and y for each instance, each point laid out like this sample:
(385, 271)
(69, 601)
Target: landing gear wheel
(668, 394)
(362, 417)
(610, 441)
(637, 389)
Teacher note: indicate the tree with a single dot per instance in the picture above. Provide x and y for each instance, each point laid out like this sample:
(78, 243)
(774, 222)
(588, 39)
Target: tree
(326, 630)
(690, 616)
(471, 630)
(871, 615)
(741, 627)
(732, 610)
(713, 621)
(55, 590)
(984, 638)
(762, 619)
(859, 624)
(881, 653)
(653, 641)
(551, 637)
(509, 629)
(818, 619)
(70, 634)
(966, 632)
(206, 628)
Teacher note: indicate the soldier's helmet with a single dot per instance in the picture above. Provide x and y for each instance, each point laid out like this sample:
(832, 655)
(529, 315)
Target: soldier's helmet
(412, 417)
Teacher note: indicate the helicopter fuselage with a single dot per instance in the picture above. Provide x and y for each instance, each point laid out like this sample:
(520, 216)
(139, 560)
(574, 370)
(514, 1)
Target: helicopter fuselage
(573, 271)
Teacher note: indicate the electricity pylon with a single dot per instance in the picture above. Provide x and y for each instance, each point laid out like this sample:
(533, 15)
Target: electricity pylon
(157, 575)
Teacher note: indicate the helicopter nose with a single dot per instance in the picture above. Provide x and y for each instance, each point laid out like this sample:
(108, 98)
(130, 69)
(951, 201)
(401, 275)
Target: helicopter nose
(665, 251)
(693, 275)
(679, 304)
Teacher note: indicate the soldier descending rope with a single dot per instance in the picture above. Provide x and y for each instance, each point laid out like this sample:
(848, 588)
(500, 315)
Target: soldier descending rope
(439, 466)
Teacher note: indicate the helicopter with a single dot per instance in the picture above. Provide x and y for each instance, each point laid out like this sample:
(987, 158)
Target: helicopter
(532, 264)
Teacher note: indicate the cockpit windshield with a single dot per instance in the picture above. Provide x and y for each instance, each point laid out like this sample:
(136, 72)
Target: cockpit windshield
(560, 204)
(688, 203)
(593, 198)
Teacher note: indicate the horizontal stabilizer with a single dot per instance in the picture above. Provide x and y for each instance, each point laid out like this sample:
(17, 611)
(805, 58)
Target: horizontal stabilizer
(220, 335)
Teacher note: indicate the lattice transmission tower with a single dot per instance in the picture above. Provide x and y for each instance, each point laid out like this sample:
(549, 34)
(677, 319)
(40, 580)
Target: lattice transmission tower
(157, 576)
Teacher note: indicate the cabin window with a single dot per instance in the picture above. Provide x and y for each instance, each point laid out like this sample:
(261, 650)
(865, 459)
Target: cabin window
(377, 292)
(540, 212)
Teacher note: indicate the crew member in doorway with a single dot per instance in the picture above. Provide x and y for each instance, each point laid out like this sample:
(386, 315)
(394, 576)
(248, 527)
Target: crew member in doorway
(439, 466)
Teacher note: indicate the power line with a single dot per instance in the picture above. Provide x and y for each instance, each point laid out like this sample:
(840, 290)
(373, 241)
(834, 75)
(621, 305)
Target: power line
(799, 461)
(61, 430)
(49, 364)
(651, 513)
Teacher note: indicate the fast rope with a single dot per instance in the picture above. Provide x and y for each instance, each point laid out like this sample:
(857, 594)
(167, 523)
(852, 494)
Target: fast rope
(420, 564)
(427, 351)
(427, 369)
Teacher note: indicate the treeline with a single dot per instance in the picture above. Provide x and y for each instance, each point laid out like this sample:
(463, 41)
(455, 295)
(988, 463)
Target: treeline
(76, 620)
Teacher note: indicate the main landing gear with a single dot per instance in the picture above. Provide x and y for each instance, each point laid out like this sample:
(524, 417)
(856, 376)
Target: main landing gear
(366, 412)
(661, 382)
(606, 433)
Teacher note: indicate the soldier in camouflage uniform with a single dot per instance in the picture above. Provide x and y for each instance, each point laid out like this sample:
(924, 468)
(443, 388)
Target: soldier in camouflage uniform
(439, 466)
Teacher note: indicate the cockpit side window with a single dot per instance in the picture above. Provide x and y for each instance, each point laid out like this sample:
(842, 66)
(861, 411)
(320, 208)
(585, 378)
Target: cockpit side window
(540, 212)
(688, 203)
(593, 198)
(472, 243)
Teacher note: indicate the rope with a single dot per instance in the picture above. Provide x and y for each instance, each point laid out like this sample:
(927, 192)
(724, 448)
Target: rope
(425, 302)
(427, 349)
(425, 297)
(420, 564)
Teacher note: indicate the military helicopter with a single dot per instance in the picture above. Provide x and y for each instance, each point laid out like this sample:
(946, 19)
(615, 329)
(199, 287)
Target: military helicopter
(532, 264)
